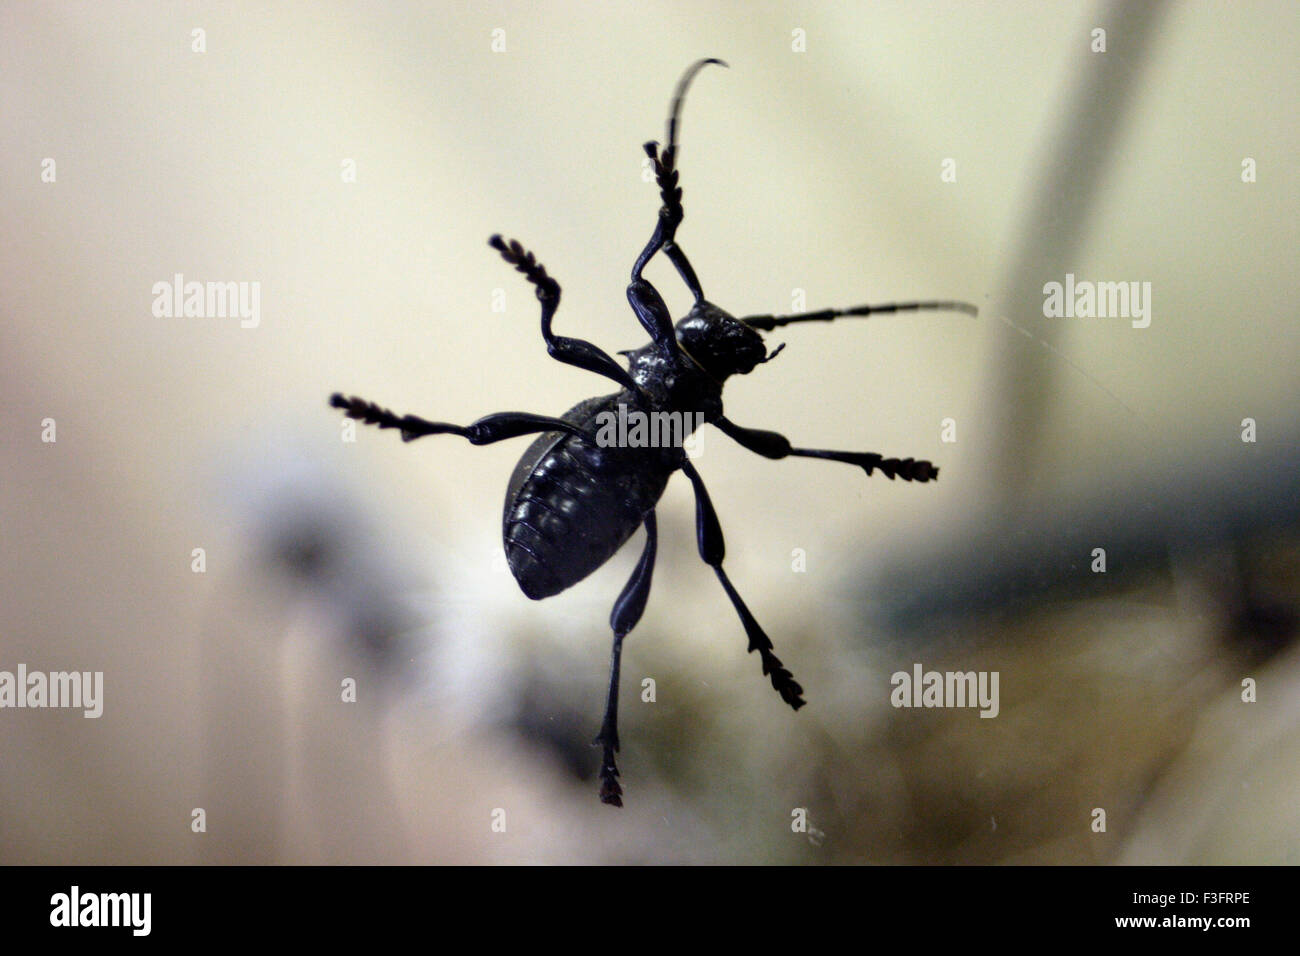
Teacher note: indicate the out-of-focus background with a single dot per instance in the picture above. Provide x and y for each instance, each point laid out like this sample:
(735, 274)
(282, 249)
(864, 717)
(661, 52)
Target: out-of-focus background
(352, 159)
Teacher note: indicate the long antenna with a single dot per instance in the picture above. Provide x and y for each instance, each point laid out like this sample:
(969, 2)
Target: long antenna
(680, 94)
(766, 323)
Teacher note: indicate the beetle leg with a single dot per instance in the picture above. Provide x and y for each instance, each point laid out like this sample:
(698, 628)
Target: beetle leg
(485, 431)
(671, 213)
(678, 258)
(775, 445)
(627, 611)
(712, 549)
(570, 351)
(651, 309)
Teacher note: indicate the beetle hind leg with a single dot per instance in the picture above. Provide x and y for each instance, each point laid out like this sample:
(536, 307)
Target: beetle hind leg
(712, 550)
(627, 612)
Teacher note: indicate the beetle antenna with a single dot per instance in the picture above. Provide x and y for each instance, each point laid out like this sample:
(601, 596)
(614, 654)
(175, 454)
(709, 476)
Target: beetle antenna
(680, 95)
(766, 323)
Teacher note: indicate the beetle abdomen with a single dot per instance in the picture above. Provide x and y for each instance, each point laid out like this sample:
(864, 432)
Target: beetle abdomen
(571, 506)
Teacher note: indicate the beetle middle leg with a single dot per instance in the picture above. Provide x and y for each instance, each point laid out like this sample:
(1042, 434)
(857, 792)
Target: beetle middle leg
(570, 351)
(627, 612)
(775, 445)
(488, 429)
(712, 549)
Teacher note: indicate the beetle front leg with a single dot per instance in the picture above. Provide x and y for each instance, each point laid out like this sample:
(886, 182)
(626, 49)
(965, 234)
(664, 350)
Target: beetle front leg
(654, 316)
(712, 550)
(666, 175)
(671, 215)
(776, 445)
(488, 429)
(627, 612)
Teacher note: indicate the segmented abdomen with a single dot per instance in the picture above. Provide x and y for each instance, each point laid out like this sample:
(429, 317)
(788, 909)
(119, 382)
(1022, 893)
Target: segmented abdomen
(569, 510)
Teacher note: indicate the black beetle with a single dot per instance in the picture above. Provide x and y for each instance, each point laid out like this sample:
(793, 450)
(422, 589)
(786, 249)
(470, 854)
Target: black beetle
(576, 496)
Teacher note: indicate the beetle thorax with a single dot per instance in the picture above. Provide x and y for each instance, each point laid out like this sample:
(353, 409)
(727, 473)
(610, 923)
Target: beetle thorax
(681, 386)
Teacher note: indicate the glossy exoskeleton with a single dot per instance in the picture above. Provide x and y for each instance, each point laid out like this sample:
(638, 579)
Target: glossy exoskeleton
(576, 497)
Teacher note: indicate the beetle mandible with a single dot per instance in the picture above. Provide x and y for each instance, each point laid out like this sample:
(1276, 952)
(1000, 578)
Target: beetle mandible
(575, 499)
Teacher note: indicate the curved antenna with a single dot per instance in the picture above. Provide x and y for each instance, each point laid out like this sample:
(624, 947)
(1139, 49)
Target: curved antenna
(766, 323)
(682, 86)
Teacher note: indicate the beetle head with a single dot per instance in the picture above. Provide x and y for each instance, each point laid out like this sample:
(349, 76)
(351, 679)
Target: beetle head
(722, 344)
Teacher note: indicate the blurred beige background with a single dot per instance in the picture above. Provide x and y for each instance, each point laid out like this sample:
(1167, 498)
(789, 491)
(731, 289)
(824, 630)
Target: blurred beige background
(815, 170)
